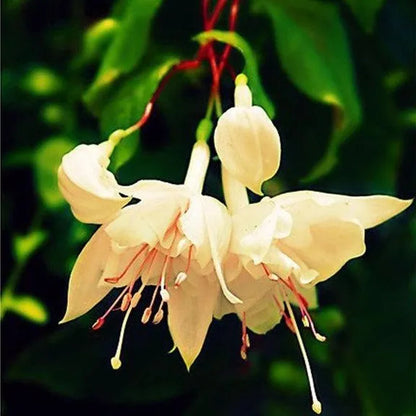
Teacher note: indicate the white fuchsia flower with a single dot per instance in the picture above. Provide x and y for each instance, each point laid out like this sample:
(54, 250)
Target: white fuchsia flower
(282, 247)
(174, 239)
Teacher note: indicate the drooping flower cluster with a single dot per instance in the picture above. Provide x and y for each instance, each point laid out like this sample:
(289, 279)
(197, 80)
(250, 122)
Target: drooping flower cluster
(202, 258)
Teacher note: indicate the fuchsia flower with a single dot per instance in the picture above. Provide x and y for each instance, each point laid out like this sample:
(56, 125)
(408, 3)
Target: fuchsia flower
(174, 239)
(282, 247)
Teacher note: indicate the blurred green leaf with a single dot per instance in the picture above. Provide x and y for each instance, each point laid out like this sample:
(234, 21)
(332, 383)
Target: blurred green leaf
(42, 81)
(25, 306)
(314, 51)
(127, 106)
(329, 320)
(25, 245)
(288, 376)
(126, 48)
(97, 38)
(365, 12)
(53, 114)
(47, 159)
(251, 68)
(75, 362)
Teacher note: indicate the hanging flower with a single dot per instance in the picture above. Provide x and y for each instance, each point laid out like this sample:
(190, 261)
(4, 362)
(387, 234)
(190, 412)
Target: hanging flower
(246, 140)
(282, 247)
(174, 239)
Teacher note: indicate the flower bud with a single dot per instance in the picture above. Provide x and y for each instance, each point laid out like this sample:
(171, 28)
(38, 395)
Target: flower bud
(246, 140)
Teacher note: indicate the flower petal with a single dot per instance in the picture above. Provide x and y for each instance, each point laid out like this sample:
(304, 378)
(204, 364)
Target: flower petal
(256, 226)
(84, 291)
(149, 189)
(190, 314)
(248, 145)
(147, 221)
(218, 228)
(368, 210)
(91, 190)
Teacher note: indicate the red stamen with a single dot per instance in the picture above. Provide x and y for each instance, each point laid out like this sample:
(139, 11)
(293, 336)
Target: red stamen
(116, 279)
(98, 323)
(244, 338)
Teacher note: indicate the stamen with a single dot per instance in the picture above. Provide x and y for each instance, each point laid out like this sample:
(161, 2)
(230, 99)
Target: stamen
(180, 278)
(158, 316)
(244, 338)
(165, 295)
(115, 361)
(316, 404)
(146, 315)
(100, 321)
(125, 302)
(136, 298)
(116, 279)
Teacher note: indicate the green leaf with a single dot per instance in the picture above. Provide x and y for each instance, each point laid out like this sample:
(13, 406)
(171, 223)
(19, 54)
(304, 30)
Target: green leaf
(125, 50)
(47, 159)
(251, 68)
(128, 105)
(97, 38)
(75, 362)
(25, 245)
(288, 376)
(313, 48)
(365, 12)
(27, 307)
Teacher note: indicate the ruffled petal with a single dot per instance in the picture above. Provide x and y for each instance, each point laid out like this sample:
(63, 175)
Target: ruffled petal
(84, 291)
(190, 311)
(91, 190)
(149, 189)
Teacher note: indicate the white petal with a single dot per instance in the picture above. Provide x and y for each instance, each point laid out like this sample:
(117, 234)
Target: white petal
(91, 190)
(149, 189)
(368, 210)
(218, 228)
(248, 145)
(190, 315)
(84, 291)
(256, 226)
(147, 221)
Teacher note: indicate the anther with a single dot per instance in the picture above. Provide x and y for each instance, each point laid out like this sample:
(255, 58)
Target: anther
(158, 317)
(146, 315)
(243, 353)
(165, 295)
(317, 407)
(305, 321)
(98, 323)
(125, 302)
(180, 278)
(135, 299)
(115, 363)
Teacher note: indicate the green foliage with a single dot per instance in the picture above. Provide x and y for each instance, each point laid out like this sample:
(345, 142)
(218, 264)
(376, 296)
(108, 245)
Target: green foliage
(125, 49)
(46, 162)
(251, 67)
(365, 12)
(25, 306)
(25, 245)
(313, 48)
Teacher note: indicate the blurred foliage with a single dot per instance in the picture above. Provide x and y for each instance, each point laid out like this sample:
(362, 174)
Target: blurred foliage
(341, 75)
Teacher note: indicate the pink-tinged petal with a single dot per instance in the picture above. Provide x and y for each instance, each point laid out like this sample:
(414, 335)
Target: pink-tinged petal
(256, 226)
(368, 210)
(190, 314)
(91, 190)
(248, 145)
(84, 291)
